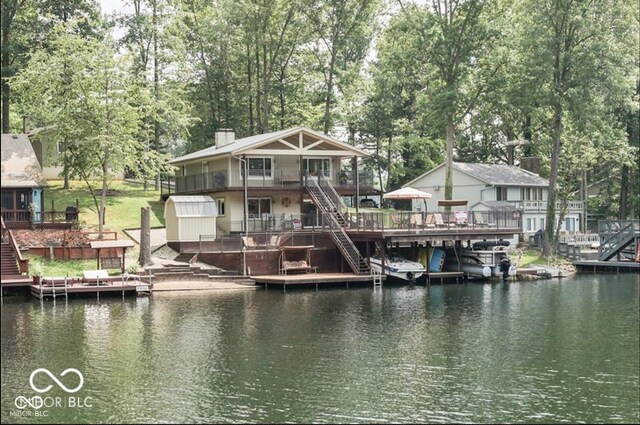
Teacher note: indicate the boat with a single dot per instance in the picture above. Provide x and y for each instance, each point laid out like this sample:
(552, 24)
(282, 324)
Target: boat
(486, 259)
(398, 267)
(469, 265)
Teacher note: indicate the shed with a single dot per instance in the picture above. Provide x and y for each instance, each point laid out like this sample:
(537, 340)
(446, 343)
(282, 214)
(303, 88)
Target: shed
(188, 217)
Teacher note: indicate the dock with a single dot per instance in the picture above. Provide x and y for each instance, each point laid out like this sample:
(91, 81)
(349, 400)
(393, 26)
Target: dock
(312, 278)
(607, 266)
(63, 287)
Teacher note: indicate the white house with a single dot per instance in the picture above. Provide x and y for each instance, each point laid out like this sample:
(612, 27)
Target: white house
(497, 187)
(276, 164)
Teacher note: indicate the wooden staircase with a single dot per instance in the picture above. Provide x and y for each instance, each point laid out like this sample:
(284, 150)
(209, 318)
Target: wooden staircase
(9, 262)
(15, 269)
(321, 193)
(615, 236)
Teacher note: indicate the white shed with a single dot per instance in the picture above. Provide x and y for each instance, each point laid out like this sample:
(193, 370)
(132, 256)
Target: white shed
(188, 217)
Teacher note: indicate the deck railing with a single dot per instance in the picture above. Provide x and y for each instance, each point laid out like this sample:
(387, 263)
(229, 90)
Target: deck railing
(541, 206)
(407, 220)
(279, 177)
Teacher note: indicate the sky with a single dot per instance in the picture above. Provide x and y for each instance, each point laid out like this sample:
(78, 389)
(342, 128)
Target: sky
(110, 6)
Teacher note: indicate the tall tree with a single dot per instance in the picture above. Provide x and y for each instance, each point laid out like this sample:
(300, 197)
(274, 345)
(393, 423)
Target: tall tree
(344, 30)
(577, 55)
(89, 100)
(456, 35)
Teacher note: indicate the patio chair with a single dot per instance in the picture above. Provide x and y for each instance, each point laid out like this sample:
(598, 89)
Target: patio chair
(430, 221)
(416, 220)
(438, 220)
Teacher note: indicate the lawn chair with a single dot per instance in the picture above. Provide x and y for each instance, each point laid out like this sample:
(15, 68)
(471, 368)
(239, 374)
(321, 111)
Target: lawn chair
(416, 220)
(430, 221)
(478, 219)
(438, 220)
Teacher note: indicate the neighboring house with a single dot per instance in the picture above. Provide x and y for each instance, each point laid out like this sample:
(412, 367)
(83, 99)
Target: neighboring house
(497, 187)
(49, 152)
(276, 165)
(22, 179)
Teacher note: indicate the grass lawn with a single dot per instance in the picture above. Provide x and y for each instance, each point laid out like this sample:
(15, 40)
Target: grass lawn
(123, 208)
(60, 268)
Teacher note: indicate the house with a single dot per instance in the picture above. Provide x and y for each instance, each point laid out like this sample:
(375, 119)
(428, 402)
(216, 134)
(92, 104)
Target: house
(499, 188)
(275, 165)
(22, 180)
(49, 152)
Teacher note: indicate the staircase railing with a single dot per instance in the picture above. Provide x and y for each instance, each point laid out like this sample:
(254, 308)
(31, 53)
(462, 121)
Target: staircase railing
(614, 242)
(345, 245)
(7, 234)
(331, 193)
(322, 199)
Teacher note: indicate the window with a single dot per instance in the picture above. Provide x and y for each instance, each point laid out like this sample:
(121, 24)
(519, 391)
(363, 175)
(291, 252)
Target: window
(531, 225)
(316, 165)
(542, 223)
(501, 193)
(259, 168)
(59, 147)
(531, 193)
(183, 170)
(220, 205)
(258, 206)
(7, 200)
(570, 224)
(205, 167)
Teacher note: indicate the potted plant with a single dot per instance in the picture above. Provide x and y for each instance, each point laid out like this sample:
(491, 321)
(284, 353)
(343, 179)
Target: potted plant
(35, 270)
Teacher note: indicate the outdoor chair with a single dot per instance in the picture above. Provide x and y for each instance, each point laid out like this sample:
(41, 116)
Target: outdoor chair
(438, 220)
(416, 220)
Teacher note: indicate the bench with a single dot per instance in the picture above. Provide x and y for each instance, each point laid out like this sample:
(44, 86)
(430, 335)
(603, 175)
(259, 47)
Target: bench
(96, 277)
(297, 266)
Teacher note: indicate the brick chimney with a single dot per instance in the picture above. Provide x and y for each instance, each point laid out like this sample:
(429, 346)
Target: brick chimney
(224, 136)
(530, 163)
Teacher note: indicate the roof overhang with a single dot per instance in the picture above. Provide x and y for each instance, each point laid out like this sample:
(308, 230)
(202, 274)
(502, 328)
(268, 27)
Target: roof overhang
(292, 147)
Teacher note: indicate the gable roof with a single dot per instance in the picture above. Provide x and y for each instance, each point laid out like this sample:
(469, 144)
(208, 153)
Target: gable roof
(20, 166)
(241, 145)
(494, 174)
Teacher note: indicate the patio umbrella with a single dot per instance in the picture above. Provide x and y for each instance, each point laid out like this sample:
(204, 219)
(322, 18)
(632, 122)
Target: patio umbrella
(407, 193)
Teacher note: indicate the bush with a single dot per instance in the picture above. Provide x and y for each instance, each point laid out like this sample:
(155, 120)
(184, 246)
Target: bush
(133, 268)
(35, 269)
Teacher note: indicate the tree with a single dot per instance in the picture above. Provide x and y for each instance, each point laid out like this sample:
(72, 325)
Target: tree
(578, 58)
(80, 84)
(344, 30)
(456, 36)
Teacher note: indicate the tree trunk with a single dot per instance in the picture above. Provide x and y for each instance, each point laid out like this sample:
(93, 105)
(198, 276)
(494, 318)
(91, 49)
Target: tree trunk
(265, 89)
(145, 238)
(550, 240)
(448, 182)
(624, 193)
(156, 78)
(250, 90)
(103, 198)
(327, 102)
(6, 61)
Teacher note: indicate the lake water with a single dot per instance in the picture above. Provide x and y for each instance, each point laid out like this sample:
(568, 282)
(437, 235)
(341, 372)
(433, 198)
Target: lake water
(546, 351)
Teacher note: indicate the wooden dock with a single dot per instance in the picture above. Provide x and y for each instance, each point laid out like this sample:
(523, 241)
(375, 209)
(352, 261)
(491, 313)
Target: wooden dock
(610, 266)
(312, 279)
(430, 277)
(63, 287)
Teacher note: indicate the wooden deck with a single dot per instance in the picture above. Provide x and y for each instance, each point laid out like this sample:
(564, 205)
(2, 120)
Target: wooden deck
(430, 277)
(312, 279)
(438, 234)
(55, 287)
(617, 266)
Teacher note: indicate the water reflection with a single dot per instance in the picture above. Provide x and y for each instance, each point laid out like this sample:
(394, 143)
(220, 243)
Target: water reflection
(538, 351)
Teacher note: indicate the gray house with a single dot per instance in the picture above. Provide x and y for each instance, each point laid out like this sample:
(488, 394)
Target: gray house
(22, 180)
(497, 187)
